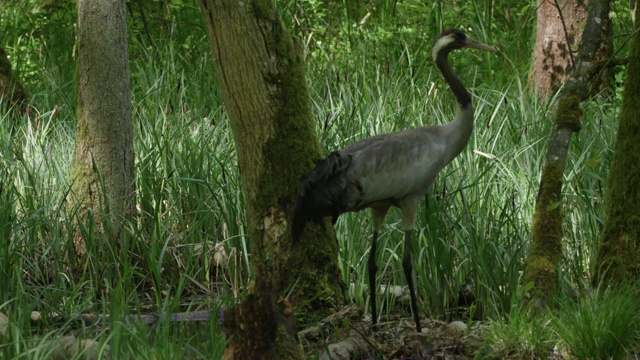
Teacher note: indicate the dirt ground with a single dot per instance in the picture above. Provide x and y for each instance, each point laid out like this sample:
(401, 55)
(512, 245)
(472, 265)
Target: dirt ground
(348, 335)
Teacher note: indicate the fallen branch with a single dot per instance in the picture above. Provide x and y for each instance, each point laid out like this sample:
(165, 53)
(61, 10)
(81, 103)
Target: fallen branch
(147, 319)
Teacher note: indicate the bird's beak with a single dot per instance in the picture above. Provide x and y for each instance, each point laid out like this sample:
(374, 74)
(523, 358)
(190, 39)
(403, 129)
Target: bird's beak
(471, 43)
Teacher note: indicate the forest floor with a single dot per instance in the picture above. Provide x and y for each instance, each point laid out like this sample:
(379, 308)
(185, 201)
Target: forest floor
(347, 335)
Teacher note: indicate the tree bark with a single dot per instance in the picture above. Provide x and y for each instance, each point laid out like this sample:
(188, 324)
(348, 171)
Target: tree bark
(546, 232)
(558, 32)
(619, 246)
(262, 76)
(12, 94)
(103, 164)
(552, 55)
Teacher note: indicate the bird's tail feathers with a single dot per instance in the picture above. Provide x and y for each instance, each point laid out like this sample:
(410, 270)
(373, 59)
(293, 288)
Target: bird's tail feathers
(322, 194)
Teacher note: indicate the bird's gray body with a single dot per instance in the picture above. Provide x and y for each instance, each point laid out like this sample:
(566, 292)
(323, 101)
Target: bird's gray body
(394, 168)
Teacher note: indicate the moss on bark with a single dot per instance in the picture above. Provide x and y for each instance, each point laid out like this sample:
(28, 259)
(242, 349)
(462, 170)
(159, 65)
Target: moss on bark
(568, 113)
(103, 174)
(546, 232)
(617, 259)
(289, 155)
(546, 250)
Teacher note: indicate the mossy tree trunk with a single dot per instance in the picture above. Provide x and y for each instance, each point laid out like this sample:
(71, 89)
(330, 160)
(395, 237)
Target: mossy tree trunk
(619, 246)
(262, 76)
(546, 232)
(102, 176)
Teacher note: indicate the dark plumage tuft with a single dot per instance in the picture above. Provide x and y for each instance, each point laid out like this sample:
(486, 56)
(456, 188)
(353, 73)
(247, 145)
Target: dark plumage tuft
(322, 193)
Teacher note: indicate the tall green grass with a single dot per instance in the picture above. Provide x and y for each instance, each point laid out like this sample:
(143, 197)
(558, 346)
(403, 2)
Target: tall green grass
(602, 324)
(190, 206)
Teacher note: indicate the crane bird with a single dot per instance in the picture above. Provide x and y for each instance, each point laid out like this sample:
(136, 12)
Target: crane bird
(388, 170)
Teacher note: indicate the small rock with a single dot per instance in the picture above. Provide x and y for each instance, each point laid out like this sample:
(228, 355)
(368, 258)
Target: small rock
(345, 350)
(311, 334)
(35, 316)
(457, 327)
(395, 290)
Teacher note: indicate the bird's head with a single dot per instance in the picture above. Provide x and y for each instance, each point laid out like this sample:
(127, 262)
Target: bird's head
(454, 39)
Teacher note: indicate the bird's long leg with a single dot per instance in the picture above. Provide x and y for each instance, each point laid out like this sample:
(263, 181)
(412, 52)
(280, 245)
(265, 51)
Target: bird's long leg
(373, 268)
(408, 270)
(378, 212)
(409, 208)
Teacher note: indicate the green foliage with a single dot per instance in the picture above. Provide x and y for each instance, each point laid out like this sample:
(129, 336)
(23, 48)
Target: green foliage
(598, 325)
(602, 325)
(337, 32)
(38, 36)
(520, 336)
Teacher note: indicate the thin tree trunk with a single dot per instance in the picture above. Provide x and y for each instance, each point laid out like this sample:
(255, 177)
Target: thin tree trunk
(103, 165)
(619, 246)
(546, 233)
(261, 72)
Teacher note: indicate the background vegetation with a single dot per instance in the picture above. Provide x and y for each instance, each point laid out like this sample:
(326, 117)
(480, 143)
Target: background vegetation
(370, 72)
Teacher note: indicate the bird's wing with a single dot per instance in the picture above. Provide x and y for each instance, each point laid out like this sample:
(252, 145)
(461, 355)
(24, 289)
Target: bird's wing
(394, 166)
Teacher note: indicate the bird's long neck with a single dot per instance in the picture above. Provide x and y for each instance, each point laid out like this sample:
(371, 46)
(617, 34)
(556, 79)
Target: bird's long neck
(462, 125)
(460, 92)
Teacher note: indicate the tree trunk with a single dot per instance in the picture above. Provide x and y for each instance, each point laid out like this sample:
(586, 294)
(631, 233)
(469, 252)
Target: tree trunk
(12, 94)
(553, 52)
(546, 232)
(619, 246)
(262, 76)
(103, 164)
(558, 32)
